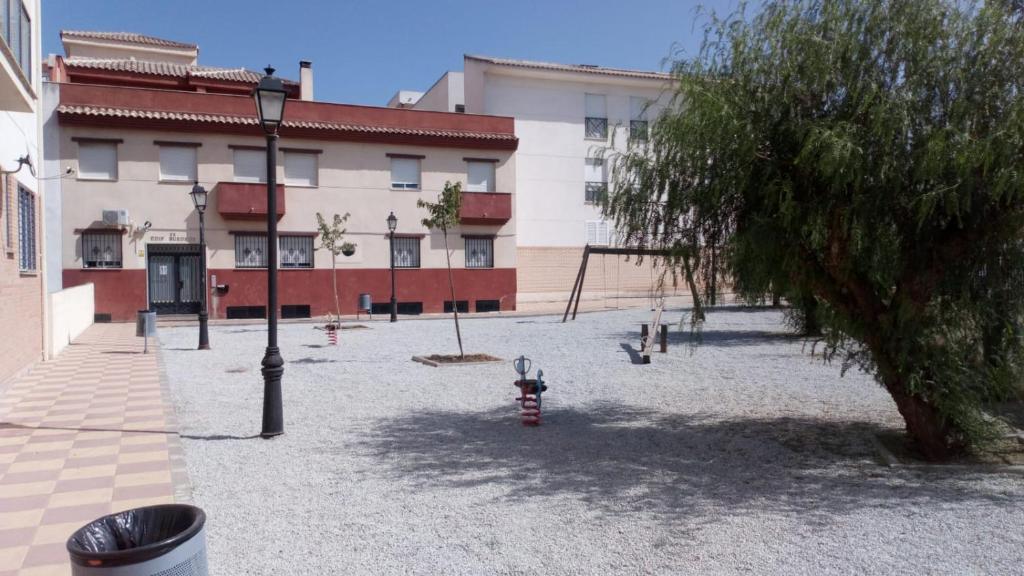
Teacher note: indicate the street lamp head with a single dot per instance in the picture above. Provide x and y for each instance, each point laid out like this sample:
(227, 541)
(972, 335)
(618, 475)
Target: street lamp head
(270, 96)
(392, 222)
(199, 197)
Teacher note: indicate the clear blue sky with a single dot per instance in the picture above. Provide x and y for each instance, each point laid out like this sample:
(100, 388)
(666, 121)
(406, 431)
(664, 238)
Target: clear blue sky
(362, 51)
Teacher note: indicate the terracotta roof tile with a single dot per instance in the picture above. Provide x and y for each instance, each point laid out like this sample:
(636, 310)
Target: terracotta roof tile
(128, 37)
(78, 110)
(166, 69)
(583, 68)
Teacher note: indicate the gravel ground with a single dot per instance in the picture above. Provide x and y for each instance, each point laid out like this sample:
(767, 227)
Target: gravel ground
(742, 455)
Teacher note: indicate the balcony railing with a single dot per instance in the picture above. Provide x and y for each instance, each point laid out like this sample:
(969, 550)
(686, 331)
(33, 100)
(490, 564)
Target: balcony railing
(244, 201)
(487, 208)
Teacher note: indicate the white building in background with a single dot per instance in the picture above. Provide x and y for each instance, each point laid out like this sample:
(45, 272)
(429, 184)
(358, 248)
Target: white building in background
(564, 114)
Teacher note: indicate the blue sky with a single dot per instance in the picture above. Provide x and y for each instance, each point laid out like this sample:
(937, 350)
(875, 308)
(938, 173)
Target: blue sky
(363, 51)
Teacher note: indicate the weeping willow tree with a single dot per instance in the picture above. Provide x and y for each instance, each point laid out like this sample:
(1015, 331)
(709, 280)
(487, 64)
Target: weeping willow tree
(867, 156)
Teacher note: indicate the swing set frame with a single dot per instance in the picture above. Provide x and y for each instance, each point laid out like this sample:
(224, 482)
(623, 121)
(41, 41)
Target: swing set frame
(577, 287)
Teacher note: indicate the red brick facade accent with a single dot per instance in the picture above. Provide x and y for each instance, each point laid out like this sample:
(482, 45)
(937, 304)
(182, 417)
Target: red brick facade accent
(21, 293)
(121, 293)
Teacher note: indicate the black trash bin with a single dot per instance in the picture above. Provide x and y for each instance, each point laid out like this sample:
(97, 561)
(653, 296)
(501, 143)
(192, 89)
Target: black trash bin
(163, 539)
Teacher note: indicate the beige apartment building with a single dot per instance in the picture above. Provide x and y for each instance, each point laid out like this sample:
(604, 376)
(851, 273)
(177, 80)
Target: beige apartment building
(566, 115)
(139, 121)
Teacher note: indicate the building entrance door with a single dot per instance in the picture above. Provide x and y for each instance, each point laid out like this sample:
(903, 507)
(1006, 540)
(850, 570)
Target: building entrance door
(173, 271)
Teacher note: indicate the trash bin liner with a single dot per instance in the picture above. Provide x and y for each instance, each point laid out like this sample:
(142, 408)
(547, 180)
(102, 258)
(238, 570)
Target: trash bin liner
(162, 539)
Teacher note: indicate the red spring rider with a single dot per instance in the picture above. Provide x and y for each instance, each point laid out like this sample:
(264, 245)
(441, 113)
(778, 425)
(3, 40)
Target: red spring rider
(530, 390)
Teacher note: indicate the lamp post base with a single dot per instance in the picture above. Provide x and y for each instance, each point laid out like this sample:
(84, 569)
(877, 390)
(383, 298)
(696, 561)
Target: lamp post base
(394, 310)
(204, 333)
(273, 412)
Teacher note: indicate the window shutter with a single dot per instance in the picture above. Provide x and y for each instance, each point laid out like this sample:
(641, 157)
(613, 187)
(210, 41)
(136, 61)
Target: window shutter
(178, 163)
(595, 106)
(250, 165)
(405, 173)
(638, 108)
(97, 160)
(593, 170)
(300, 169)
(598, 232)
(480, 176)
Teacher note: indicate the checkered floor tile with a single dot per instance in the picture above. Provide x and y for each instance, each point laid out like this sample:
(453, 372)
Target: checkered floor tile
(84, 435)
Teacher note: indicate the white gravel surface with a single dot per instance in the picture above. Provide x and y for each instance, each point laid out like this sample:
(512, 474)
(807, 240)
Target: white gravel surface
(740, 456)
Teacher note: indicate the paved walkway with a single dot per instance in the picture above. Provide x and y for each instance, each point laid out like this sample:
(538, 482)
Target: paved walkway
(89, 433)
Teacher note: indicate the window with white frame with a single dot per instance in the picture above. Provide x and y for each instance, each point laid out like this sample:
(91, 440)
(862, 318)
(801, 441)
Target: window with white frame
(479, 252)
(250, 250)
(595, 180)
(301, 169)
(16, 31)
(178, 163)
(250, 165)
(638, 118)
(407, 252)
(26, 230)
(479, 176)
(97, 160)
(101, 249)
(598, 232)
(296, 251)
(596, 122)
(405, 173)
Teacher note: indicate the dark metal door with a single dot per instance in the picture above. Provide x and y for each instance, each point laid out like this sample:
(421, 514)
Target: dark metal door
(174, 282)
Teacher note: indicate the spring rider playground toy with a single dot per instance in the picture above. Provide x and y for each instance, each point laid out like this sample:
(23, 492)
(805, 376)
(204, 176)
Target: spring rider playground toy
(530, 390)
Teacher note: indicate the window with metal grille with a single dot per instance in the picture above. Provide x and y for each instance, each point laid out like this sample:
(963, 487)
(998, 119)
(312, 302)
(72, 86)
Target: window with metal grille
(296, 251)
(638, 130)
(595, 179)
(26, 230)
(101, 249)
(250, 251)
(596, 124)
(479, 252)
(407, 252)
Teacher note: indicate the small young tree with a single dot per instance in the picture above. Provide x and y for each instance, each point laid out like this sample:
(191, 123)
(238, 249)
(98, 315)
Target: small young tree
(331, 235)
(444, 215)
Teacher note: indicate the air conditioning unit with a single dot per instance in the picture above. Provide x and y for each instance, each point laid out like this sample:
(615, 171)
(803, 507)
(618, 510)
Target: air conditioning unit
(115, 217)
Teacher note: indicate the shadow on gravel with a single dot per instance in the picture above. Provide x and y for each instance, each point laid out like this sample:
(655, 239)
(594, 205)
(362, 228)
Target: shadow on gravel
(721, 338)
(312, 361)
(622, 460)
(634, 355)
(215, 437)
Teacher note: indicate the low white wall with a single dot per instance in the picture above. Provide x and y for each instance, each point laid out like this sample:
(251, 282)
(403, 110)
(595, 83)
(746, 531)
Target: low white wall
(71, 312)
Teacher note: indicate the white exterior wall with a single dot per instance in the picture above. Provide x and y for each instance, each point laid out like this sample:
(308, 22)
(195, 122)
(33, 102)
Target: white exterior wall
(20, 132)
(71, 312)
(549, 110)
(444, 95)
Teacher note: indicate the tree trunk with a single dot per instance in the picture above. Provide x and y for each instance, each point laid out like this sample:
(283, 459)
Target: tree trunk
(334, 282)
(930, 432)
(451, 284)
(809, 309)
(698, 308)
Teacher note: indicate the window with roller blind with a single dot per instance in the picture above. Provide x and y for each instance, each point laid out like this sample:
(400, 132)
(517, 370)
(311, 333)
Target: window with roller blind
(405, 173)
(301, 169)
(596, 122)
(598, 232)
(595, 180)
(250, 165)
(97, 160)
(178, 163)
(479, 176)
(638, 118)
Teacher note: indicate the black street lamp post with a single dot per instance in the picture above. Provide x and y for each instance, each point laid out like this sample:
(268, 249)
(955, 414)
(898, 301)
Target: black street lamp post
(270, 97)
(199, 198)
(392, 224)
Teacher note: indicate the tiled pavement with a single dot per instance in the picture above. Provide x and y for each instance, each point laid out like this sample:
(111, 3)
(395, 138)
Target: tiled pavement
(89, 433)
